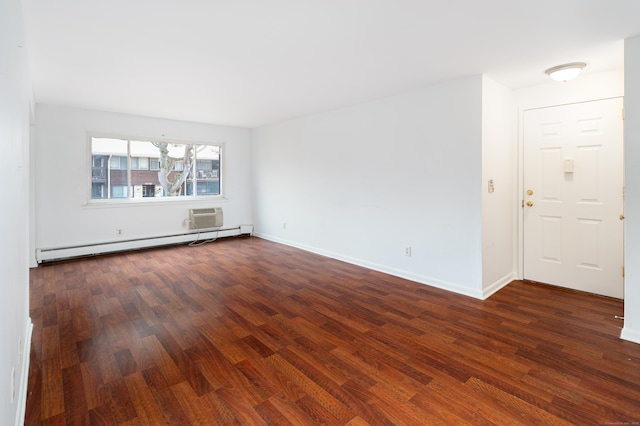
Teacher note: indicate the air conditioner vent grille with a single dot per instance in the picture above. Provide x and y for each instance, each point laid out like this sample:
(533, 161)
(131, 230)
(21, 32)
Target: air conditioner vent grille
(205, 218)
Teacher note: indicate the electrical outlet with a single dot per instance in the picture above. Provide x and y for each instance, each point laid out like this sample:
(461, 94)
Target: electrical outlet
(284, 226)
(119, 232)
(407, 251)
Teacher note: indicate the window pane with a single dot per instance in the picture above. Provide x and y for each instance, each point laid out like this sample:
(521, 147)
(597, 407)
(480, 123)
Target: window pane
(208, 188)
(119, 191)
(143, 163)
(118, 163)
(109, 167)
(139, 163)
(165, 177)
(98, 190)
(208, 170)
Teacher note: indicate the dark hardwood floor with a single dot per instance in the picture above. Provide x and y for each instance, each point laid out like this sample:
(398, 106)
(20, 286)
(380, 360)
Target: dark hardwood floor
(245, 331)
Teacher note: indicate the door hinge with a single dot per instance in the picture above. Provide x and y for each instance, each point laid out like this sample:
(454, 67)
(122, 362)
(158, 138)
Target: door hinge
(623, 192)
(622, 114)
(622, 271)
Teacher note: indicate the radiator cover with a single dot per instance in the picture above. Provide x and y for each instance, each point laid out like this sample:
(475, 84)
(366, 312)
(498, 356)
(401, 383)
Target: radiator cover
(205, 218)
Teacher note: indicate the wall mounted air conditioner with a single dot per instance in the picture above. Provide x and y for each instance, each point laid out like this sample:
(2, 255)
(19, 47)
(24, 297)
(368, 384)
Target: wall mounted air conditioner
(205, 218)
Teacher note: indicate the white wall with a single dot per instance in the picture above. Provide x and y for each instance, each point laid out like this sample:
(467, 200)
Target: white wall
(362, 183)
(63, 217)
(499, 208)
(15, 325)
(631, 330)
(587, 87)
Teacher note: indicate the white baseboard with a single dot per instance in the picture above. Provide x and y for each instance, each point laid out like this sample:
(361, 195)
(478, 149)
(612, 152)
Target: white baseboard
(498, 285)
(21, 405)
(90, 249)
(421, 279)
(630, 335)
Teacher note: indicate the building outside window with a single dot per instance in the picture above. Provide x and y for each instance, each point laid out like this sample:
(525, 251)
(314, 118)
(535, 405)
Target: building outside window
(139, 163)
(135, 169)
(119, 191)
(118, 163)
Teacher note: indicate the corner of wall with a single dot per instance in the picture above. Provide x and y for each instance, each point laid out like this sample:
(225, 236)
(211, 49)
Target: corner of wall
(498, 285)
(630, 335)
(21, 405)
(631, 330)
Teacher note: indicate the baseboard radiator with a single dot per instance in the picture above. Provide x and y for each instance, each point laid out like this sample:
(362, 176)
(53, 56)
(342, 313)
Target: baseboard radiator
(85, 250)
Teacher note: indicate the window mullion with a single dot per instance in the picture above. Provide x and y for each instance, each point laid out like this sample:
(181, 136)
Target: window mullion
(129, 185)
(194, 171)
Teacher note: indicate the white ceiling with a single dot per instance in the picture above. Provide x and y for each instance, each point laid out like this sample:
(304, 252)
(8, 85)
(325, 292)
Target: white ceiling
(255, 62)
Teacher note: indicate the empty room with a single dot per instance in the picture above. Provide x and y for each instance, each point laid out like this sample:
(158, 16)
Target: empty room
(320, 212)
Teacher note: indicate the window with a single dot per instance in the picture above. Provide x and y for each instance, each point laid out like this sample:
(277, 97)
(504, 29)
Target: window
(118, 191)
(148, 190)
(136, 169)
(97, 191)
(204, 188)
(118, 163)
(139, 163)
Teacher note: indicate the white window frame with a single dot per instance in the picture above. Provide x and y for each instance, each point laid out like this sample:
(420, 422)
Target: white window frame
(155, 200)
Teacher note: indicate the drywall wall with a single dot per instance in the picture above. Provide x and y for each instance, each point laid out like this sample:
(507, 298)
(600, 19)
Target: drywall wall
(587, 87)
(364, 183)
(15, 325)
(498, 186)
(62, 161)
(631, 330)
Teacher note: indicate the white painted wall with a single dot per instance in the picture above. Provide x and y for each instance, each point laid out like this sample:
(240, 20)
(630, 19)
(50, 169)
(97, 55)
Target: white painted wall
(631, 330)
(499, 208)
(15, 325)
(362, 183)
(63, 217)
(587, 87)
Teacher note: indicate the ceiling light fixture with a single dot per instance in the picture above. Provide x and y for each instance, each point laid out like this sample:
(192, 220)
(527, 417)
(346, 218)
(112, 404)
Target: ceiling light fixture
(565, 72)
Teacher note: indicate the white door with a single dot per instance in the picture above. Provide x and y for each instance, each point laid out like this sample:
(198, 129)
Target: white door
(573, 196)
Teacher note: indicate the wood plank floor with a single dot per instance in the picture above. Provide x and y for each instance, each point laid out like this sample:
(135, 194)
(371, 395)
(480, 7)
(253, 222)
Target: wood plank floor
(245, 331)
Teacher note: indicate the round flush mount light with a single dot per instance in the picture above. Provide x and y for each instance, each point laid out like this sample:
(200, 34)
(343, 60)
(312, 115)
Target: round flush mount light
(565, 72)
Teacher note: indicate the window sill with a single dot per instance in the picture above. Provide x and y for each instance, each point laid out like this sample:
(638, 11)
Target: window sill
(151, 201)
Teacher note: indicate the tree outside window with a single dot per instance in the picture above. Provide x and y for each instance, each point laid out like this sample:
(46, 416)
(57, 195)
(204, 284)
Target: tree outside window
(130, 169)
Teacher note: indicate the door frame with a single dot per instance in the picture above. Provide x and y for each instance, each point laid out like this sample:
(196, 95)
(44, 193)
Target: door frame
(520, 186)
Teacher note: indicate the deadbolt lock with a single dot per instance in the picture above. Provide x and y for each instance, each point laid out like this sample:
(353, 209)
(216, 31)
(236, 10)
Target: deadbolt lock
(529, 192)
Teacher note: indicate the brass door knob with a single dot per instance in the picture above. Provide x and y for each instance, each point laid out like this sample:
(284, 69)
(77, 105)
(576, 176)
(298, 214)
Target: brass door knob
(530, 203)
